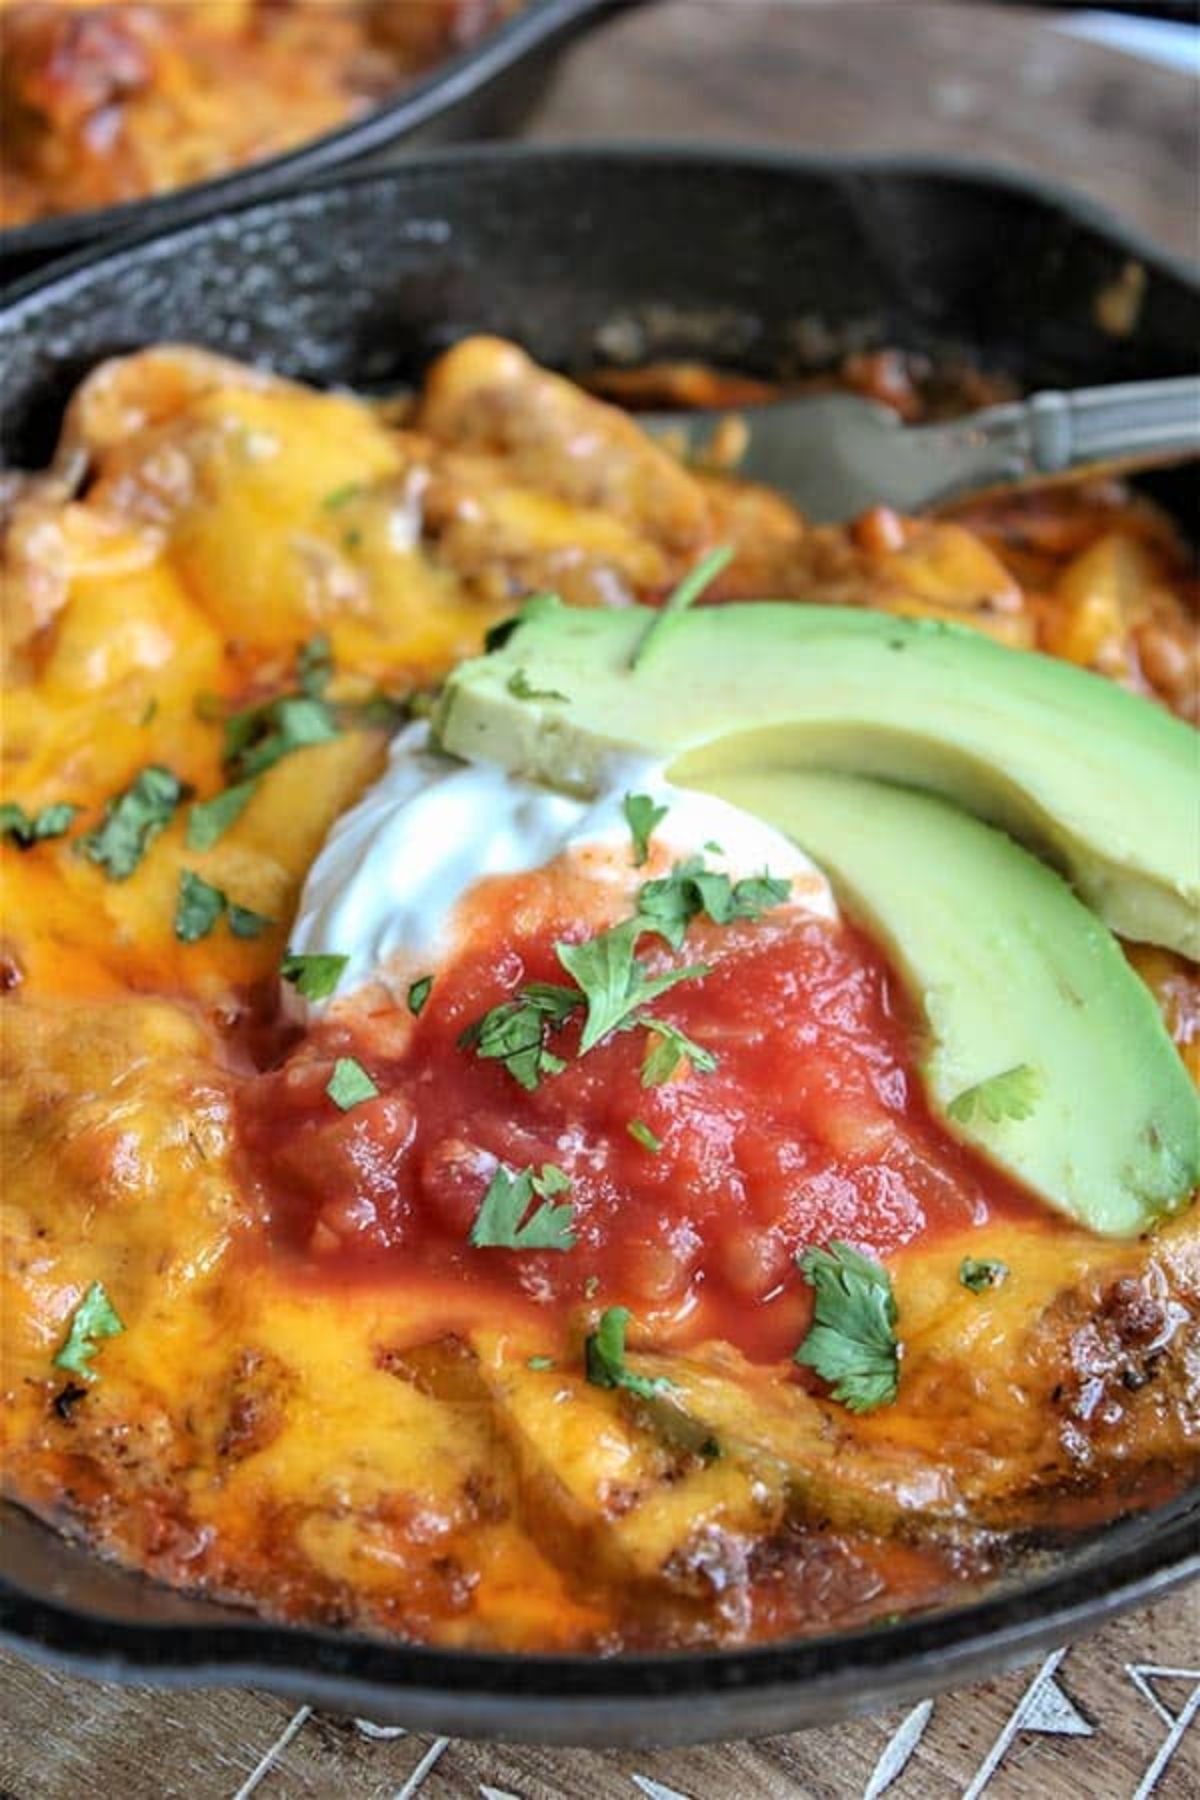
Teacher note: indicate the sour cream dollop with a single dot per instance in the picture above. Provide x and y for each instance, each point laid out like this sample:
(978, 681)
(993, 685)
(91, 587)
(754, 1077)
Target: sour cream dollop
(384, 888)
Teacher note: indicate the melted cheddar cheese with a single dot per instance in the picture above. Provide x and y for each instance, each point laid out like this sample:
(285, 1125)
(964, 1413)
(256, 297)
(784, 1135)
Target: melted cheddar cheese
(360, 1451)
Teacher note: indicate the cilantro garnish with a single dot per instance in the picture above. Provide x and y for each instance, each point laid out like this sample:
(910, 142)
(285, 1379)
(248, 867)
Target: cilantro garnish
(26, 829)
(520, 687)
(604, 1357)
(350, 1085)
(539, 1362)
(314, 666)
(200, 905)
(613, 982)
(669, 905)
(210, 819)
(664, 1057)
(246, 924)
(514, 1032)
(316, 976)
(501, 1222)
(132, 820)
(981, 1273)
(418, 994)
(641, 1134)
(1012, 1094)
(339, 496)
(641, 815)
(688, 591)
(261, 736)
(94, 1318)
(852, 1343)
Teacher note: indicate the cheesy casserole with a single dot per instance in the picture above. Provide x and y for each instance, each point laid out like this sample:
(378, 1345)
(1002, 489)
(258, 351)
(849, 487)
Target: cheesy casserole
(256, 1341)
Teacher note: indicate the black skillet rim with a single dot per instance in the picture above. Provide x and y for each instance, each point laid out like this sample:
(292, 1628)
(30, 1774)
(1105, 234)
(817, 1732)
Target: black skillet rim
(576, 1698)
(1075, 208)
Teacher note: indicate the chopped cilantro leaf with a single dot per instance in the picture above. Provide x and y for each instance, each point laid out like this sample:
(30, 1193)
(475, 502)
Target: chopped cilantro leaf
(95, 1317)
(246, 924)
(350, 1085)
(340, 496)
(498, 1223)
(132, 820)
(262, 735)
(664, 1056)
(198, 907)
(418, 994)
(668, 906)
(210, 819)
(314, 666)
(641, 1134)
(519, 686)
(852, 1341)
(540, 1362)
(1012, 1094)
(26, 829)
(980, 1273)
(514, 1032)
(604, 1357)
(757, 894)
(316, 976)
(688, 591)
(641, 815)
(613, 981)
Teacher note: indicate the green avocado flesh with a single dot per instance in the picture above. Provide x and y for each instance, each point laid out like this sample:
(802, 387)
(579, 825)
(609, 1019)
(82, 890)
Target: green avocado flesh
(1013, 973)
(1103, 784)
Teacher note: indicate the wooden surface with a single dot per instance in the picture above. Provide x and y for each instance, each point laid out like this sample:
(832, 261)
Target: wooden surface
(1113, 1717)
(997, 83)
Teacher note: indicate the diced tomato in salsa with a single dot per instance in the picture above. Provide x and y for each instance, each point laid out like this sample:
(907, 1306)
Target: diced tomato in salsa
(813, 1126)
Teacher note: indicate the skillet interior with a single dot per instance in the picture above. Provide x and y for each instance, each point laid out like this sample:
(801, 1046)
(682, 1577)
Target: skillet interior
(581, 257)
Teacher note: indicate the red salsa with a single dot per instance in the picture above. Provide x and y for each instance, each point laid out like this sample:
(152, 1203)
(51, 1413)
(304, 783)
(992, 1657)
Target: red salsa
(811, 1127)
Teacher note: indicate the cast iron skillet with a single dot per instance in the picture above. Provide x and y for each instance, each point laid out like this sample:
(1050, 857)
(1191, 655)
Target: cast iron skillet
(484, 91)
(585, 255)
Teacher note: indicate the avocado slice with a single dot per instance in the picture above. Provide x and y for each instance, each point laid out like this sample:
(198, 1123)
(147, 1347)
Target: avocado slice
(1099, 781)
(1093, 1109)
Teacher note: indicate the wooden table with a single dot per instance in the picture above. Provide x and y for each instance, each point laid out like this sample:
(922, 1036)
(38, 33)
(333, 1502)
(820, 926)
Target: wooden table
(1111, 1718)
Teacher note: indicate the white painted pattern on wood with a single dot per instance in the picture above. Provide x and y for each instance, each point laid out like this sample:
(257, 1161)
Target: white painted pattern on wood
(898, 1750)
(266, 1762)
(417, 1779)
(1142, 1675)
(1043, 1707)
